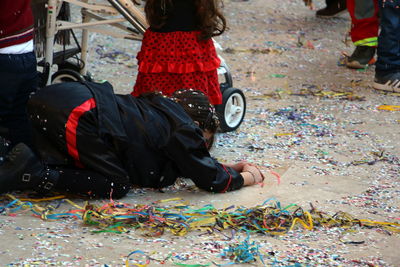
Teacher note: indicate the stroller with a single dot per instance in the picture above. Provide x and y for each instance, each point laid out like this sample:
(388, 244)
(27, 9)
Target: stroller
(53, 24)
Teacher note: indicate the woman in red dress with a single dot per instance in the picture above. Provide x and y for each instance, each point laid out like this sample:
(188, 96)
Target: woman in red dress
(177, 50)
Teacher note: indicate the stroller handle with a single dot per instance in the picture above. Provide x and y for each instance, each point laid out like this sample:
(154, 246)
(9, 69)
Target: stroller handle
(131, 13)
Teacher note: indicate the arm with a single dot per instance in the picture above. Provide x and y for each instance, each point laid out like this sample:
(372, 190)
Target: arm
(187, 149)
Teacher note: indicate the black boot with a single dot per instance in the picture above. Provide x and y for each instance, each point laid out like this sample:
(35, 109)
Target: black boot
(22, 170)
(332, 9)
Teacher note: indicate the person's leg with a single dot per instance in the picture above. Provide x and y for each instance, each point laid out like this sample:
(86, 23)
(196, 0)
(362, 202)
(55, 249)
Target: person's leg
(364, 31)
(22, 170)
(333, 8)
(387, 72)
(88, 183)
(19, 78)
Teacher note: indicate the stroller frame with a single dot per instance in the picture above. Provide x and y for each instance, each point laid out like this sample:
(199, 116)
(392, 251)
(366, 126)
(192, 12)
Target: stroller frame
(88, 10)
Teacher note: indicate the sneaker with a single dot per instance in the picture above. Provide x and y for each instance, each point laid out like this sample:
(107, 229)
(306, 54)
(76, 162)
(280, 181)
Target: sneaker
(389, 82)
(23, 170)
(361, 57)
(332, 10)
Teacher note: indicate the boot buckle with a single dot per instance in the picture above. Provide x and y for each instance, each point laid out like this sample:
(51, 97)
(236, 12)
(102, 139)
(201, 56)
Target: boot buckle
(48, 186)
(26, 177)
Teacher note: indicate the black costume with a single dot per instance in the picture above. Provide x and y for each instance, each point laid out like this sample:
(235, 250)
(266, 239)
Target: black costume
(181, 17)
(102, 142)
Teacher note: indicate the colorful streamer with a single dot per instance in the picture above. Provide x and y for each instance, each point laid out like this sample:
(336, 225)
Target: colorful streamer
(179, 218)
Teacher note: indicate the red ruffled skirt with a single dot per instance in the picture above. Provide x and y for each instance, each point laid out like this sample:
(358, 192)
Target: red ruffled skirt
(177, 60)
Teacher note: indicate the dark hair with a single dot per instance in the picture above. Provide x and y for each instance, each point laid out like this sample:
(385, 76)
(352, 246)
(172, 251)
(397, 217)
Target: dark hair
(198, 107)
(209, 18)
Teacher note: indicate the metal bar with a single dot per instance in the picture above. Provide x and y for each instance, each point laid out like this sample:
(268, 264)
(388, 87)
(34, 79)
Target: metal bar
(91, 27)
(134, 11)
(85, 42)
(129, 16)
(65, 25)
(135, 37)
(117, 25)
(95, 7)
(50, 34)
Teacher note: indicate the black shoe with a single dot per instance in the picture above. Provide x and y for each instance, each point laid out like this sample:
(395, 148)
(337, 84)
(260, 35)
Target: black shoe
(361, 56)
(389, 82)
(23, 170)
(332, 10)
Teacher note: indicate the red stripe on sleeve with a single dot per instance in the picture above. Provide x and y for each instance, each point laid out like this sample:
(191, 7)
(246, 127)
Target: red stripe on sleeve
(72, 125)
(229, 181)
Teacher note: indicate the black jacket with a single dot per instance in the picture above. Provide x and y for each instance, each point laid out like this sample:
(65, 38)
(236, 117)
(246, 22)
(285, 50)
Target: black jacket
(147, 141)
(181, 16)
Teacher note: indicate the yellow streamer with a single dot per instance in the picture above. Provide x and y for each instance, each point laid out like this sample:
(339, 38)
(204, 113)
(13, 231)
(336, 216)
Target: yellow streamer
(43, 199)
(389, 107)
(169, 200)
(73, 204)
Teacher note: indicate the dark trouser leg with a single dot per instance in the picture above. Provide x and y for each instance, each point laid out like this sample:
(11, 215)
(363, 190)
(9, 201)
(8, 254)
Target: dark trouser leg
(336, 3)
(89, 183)
(389, 38)
(333, 8)
(23, 170)
(18, 79)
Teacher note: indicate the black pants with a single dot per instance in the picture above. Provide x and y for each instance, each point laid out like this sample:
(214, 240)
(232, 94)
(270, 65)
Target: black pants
(18, 79)
(88, 183)
(335, 2)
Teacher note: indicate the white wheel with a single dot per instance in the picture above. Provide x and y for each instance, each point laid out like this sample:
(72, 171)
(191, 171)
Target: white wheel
(232, 110)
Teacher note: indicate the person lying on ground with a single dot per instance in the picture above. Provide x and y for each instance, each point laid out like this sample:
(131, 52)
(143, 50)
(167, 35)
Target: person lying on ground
(90, 141)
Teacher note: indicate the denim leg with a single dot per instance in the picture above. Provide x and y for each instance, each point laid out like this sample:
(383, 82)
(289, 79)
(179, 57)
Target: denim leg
(389, 37)
(18, 79)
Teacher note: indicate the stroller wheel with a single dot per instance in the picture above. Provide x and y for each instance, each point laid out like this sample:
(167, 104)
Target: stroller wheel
(232, 110)
(66, 75)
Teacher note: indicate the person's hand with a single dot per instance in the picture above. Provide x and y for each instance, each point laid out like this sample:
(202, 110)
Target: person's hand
(256, 176)
(237, 166)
